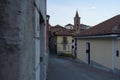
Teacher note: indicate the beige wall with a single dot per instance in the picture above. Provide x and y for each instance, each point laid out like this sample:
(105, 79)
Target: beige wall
(60, 45)
(101, 51)
(117, 59)
(81, 50)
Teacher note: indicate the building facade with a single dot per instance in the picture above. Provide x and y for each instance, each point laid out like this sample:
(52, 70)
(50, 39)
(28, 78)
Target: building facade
(64, 42)
(61, 38)
(99, 45)
(53, 38)
(22, 40)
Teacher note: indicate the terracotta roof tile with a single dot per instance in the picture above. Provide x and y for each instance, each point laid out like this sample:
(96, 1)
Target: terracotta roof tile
(65, 33)
(110, 26)
(56, 28)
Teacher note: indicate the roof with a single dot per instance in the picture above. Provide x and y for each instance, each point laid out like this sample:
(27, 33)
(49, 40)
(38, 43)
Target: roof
(56, 28)
(65, 33)
(69, 24)
(110, 26)
(77, 15)
(84, 25)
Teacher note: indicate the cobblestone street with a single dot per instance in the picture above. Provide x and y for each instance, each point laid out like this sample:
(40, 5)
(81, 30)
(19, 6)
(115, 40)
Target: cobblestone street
(68, 69)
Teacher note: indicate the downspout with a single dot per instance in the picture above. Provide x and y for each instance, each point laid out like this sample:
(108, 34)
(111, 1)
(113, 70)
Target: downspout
(113, 54)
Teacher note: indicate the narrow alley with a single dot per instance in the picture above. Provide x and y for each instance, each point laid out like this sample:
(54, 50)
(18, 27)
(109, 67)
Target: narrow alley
(68, 69)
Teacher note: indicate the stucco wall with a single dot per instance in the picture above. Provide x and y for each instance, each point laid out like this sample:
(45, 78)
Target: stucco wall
(117, 59)
(68, 45)
(17, 39)
(81, 50)
(27, 56)
(59, 39)
(9, 39)
(100, 51)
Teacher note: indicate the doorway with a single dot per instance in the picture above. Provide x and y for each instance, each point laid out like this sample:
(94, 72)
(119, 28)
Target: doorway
(88, 52)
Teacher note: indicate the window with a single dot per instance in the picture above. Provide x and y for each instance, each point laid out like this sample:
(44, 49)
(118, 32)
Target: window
(117, 53)
(64, 40)
(77, 25)
(64, 46)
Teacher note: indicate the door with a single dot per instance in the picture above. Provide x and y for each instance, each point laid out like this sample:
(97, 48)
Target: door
(88, 52)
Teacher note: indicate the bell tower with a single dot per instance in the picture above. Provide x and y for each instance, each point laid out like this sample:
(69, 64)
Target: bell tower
(77, 22)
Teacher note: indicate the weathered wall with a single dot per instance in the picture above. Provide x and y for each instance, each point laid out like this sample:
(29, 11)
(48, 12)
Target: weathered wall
(9, 40)
(60, 44)
(16, 40)
(26, 24)
(43, 48)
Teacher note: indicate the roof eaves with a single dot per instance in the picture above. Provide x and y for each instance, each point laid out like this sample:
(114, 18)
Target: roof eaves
(98, 36)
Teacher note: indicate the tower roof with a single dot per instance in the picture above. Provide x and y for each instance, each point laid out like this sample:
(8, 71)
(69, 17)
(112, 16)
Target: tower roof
(77, 15)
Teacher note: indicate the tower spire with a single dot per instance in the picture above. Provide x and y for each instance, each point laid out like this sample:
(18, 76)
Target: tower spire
(77, 22)
(77, 15)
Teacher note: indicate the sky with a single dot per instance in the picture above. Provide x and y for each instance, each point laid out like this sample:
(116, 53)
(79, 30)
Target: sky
(92, 12)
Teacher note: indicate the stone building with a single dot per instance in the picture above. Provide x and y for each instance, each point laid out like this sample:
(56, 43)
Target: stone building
(22, 40)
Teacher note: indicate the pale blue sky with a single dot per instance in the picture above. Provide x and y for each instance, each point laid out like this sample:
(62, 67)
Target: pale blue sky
(91, 12)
